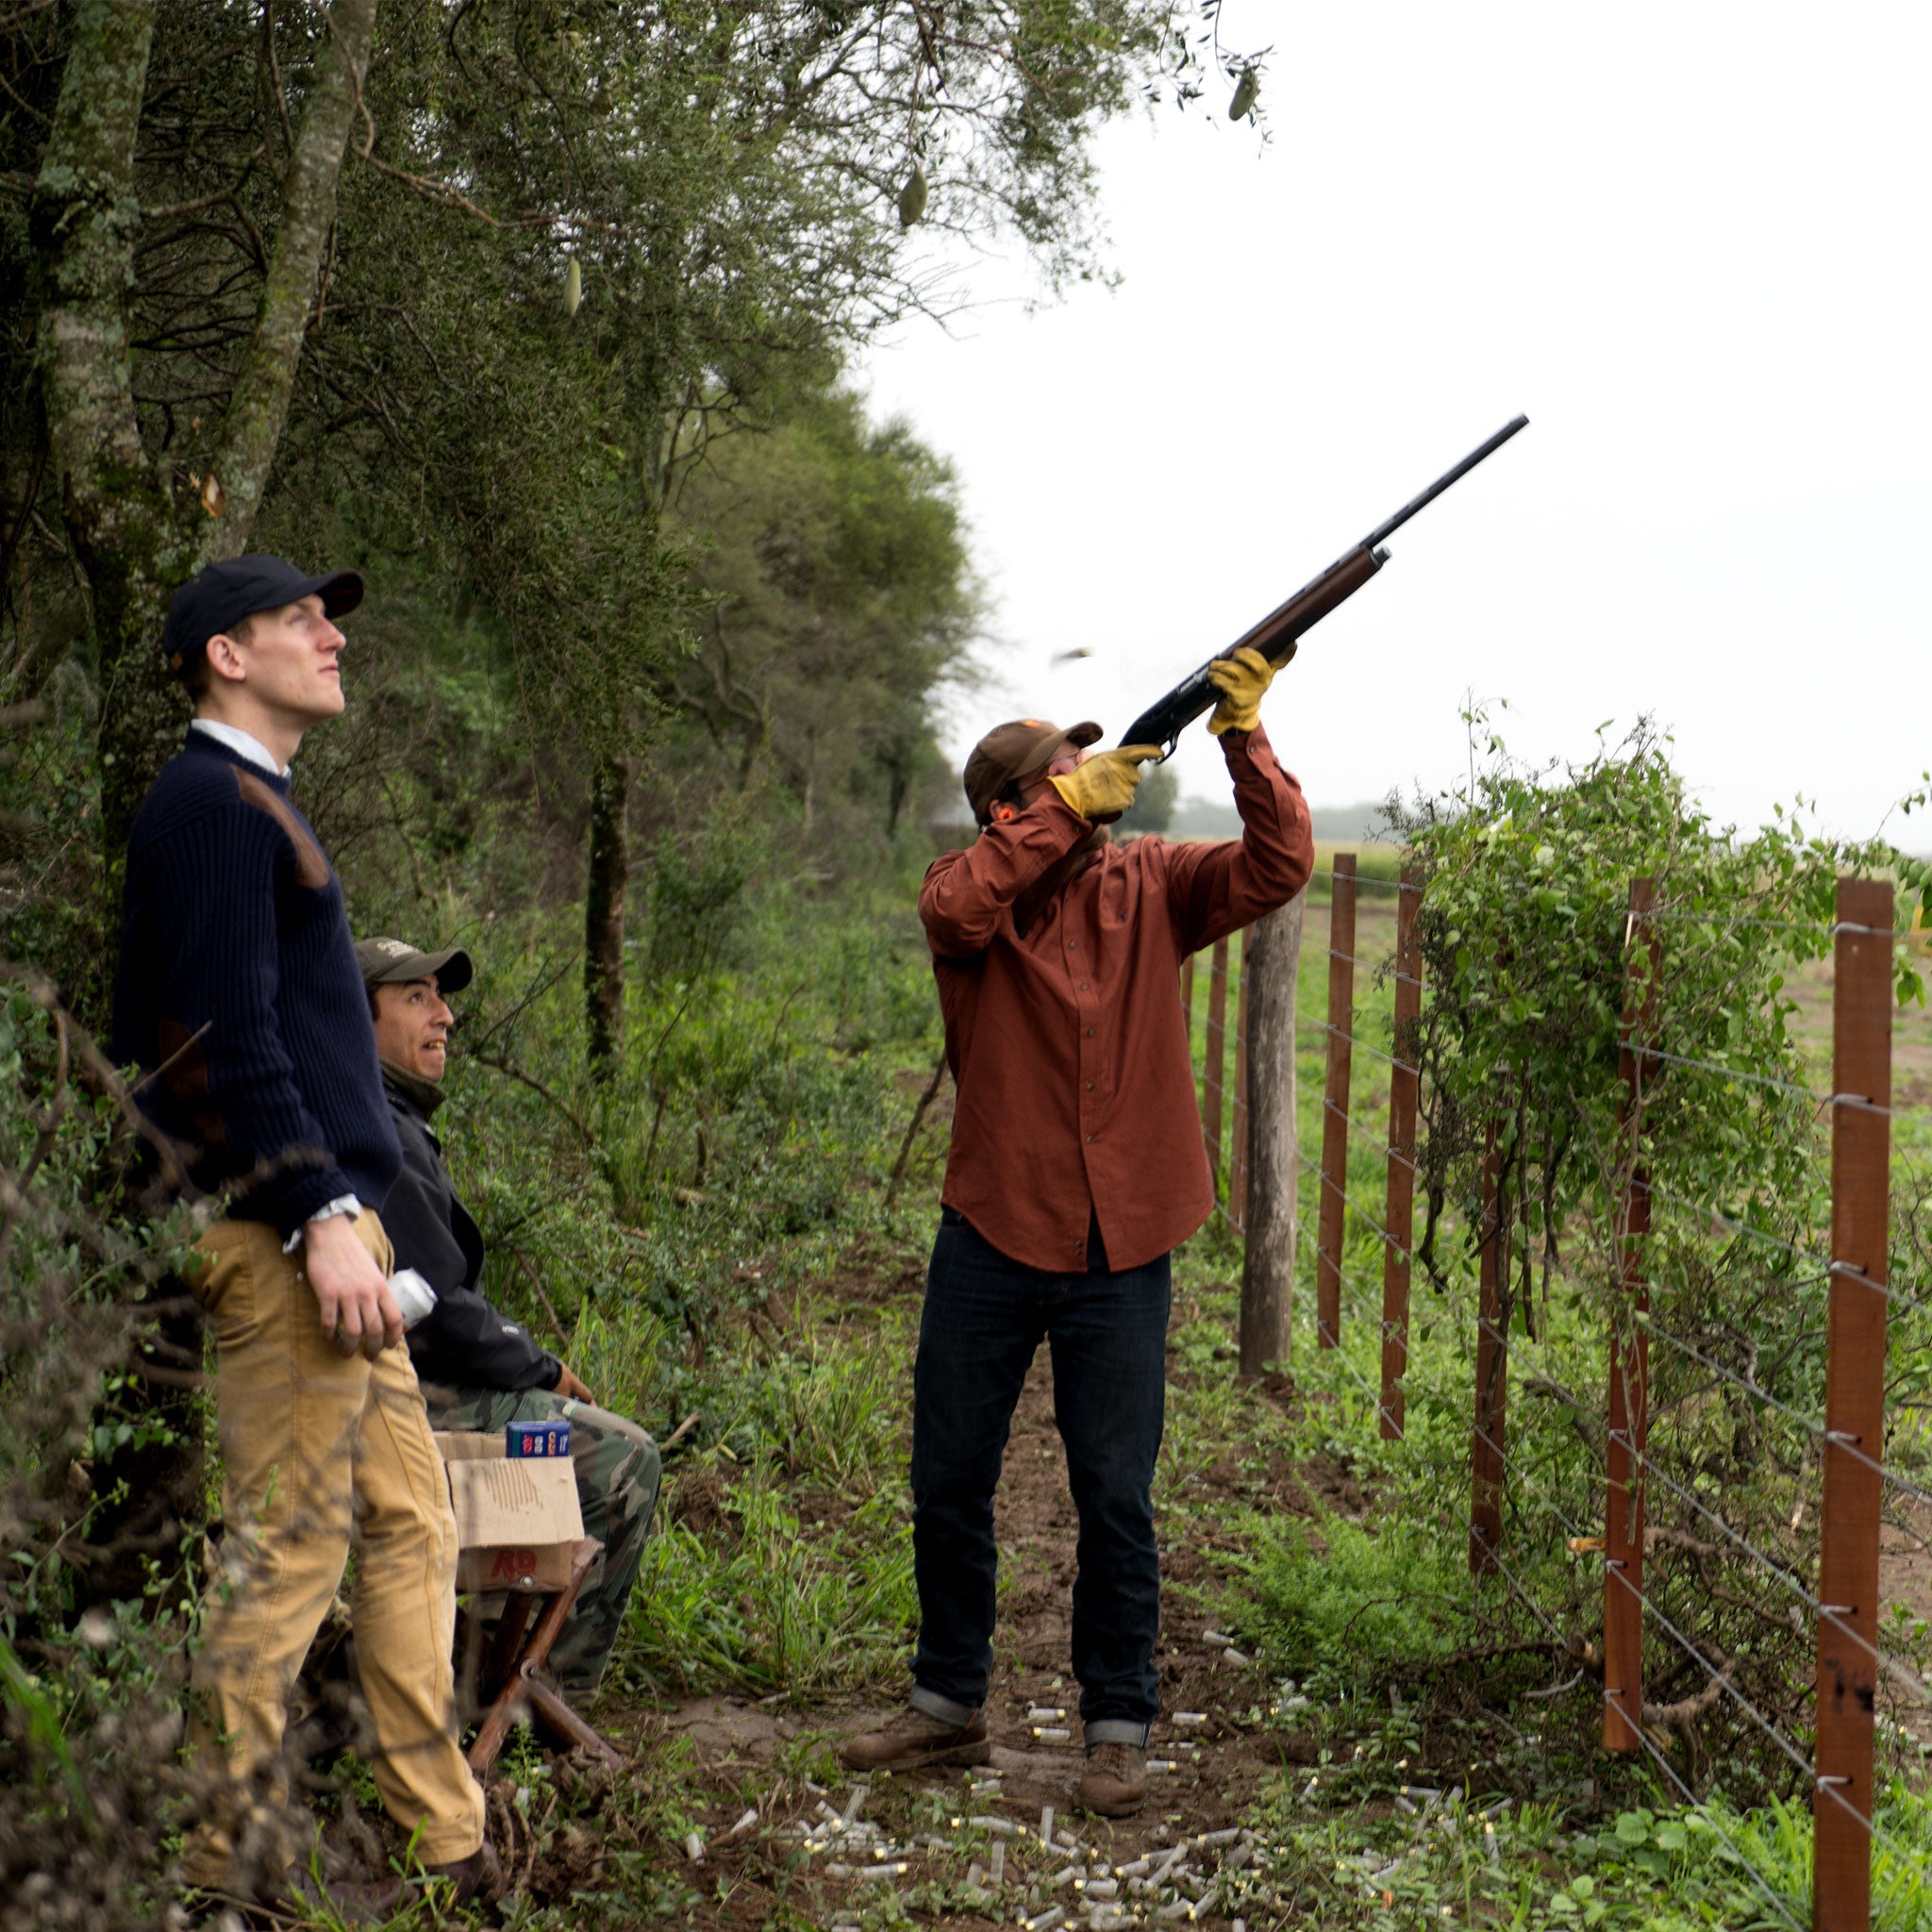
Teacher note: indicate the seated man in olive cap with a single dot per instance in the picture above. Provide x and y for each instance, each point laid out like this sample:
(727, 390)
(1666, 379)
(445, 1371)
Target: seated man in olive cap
(479, 1371)
(1076, 1166)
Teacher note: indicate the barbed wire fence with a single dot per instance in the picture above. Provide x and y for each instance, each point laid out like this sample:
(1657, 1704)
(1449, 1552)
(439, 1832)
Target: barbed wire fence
(1821, 1297)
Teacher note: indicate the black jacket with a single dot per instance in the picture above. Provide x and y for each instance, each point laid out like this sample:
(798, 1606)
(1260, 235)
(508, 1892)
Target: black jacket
(462, 1342)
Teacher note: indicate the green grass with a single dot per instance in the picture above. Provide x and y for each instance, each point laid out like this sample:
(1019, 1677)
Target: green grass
(1459, 1859)
(765, 1605)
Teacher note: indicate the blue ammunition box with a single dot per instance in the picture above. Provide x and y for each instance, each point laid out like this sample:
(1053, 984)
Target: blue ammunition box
(536, 1439)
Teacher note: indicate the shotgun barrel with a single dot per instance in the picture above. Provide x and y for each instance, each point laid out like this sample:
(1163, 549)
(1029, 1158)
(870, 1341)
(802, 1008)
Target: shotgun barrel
(1278, 635)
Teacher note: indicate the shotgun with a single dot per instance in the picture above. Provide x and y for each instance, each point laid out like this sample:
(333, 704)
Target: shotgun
(1277, 635)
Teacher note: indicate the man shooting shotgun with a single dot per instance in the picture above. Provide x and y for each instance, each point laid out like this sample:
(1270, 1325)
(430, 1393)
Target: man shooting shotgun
(1075, 1168)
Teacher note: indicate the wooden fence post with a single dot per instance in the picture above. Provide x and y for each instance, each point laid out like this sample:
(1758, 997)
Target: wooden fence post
(1332, 1222)
(1238, 1125)
(1404, 1090)
(1271, 957)
(1215, 1066)
(1630, 1394)
(1492, 1376)
(1854, 1405)
(1187, 1003)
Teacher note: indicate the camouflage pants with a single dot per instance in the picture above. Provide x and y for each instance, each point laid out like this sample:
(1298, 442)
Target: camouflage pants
(617, 1471)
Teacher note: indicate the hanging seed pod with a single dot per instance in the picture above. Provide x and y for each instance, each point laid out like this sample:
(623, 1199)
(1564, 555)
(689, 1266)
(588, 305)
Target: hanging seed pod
(1245, 89)
(912, 197)
(572, 287)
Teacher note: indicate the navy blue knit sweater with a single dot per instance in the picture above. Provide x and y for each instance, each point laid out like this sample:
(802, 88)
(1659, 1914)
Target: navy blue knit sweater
(239, 981)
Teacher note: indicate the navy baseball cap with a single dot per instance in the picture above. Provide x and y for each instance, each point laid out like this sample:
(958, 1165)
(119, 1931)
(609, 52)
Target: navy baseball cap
(221, 594)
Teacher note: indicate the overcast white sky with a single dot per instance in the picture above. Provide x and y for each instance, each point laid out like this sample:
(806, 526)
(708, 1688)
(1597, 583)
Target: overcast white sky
(1688, 240)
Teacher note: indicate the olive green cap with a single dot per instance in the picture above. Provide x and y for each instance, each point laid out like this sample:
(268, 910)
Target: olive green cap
(392, 962)
(1011, 752)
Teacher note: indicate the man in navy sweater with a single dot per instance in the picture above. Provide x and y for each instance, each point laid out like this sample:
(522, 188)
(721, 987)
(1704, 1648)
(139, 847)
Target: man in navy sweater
(240, 997)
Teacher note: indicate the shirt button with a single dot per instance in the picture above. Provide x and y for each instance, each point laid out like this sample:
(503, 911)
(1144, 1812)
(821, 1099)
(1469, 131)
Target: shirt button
(1085, 987)
(1073, 945)
(1090, 1033)
(1089, 1140)
(1090, 1086)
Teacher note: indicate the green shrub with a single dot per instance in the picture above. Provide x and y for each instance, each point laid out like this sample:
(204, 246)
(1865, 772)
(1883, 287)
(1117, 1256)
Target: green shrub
(1354, 1601)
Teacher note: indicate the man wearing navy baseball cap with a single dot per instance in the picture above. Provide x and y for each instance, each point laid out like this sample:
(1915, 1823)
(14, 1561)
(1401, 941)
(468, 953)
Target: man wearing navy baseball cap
(240, 998)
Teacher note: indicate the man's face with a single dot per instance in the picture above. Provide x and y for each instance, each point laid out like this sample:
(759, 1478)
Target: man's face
(413, 1027)
(288, 662)
(1069, 758)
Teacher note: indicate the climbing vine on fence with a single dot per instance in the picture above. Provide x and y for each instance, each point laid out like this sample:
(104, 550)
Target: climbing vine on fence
(1531, 961)
(1523, 931)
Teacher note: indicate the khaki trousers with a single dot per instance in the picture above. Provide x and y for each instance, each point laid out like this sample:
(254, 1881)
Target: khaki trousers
(316, 1444)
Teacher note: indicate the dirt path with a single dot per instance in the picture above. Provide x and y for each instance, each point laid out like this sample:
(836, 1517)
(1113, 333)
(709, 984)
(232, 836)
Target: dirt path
(748, 1756)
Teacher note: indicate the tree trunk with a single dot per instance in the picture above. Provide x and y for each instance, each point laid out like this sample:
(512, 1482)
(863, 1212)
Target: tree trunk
(258, 403)
(133, 542)
(1271, 961)
(605, 888)
(85, 220)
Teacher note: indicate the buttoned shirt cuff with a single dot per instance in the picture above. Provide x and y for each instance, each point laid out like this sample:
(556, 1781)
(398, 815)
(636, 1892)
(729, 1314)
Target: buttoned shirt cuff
(343, 1204)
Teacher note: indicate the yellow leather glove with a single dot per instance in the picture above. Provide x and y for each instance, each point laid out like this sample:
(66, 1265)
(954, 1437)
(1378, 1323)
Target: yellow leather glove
(1242, 681)
(1103, 786)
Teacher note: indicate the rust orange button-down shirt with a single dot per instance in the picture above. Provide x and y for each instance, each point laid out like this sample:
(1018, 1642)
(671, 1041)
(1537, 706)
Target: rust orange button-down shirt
(1067, 1041)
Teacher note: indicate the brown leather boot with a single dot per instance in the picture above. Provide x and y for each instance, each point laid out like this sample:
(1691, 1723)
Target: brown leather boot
(911, 1739)
(477, 1878)
(1115, 1781)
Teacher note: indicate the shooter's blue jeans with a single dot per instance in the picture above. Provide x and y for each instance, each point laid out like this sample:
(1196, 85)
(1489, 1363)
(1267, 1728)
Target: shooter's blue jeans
(984, 1317)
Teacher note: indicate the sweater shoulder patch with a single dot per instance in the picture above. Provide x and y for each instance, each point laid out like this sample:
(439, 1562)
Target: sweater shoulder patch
(184, 1069)
(311, 868)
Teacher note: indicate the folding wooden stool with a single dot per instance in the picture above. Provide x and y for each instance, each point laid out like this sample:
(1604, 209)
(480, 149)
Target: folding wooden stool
(509, 1672)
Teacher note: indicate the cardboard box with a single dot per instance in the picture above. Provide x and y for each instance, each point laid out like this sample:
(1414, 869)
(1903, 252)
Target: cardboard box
(517, 1519)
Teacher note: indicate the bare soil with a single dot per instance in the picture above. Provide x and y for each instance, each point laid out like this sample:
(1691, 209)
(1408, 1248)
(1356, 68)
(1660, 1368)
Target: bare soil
(736, 1745)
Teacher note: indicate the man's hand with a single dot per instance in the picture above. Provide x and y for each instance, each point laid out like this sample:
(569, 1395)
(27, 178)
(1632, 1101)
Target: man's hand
(1242, 681)
(1101, 788)
(568, 1385)
(358, 1309)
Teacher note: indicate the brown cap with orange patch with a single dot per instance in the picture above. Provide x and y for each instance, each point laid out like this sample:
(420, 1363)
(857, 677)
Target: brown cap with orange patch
(1012, 752)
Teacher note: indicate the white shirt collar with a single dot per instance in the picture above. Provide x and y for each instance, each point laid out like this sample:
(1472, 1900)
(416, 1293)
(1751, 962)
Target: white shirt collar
(241, 744)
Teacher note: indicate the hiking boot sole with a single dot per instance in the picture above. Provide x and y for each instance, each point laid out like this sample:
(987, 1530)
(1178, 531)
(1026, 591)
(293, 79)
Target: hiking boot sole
(1116, 1804)
(1121, 1806)
(958, 1755)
